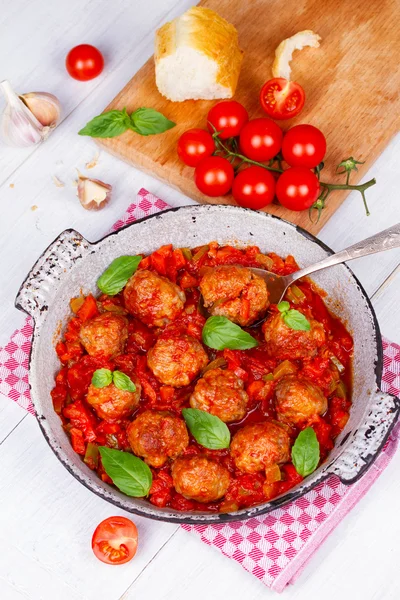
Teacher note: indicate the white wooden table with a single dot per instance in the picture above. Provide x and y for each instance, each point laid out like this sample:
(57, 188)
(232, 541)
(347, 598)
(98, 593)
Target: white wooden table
(46, 517)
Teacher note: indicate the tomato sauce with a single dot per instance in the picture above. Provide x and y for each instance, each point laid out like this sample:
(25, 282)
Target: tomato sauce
(330, 370)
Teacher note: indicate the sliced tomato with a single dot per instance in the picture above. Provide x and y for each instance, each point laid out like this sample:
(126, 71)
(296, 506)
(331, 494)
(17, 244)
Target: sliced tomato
(115, 540)
(282, 99)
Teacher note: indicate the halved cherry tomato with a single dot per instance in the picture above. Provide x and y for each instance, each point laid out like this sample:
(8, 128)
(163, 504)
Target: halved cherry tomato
(84, 62)
(115, 540)
(214, 176)
(304, 146)
(254, 187)
(282, 99)
(227, 117)
(260, 139)
(193, 145)
(297, 188)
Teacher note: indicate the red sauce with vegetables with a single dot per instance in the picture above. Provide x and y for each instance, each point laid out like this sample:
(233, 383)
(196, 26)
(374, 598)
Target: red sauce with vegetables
(268, 378)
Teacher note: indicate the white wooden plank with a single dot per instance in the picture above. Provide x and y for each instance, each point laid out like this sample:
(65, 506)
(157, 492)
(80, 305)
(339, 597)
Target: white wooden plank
(359, 560)
(46, 523)
(36, 37)
(386, 304)
(349, 224)
(10, 415)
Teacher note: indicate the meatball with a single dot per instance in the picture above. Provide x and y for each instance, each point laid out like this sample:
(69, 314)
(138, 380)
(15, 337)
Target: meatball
(177, 359)
(157, 436)
(260, 445)
(104, 335)
(282, 342)
(200, 478)
(111, 403)
(220, 393)
(298, 400)
(155, 300)
(236, 293)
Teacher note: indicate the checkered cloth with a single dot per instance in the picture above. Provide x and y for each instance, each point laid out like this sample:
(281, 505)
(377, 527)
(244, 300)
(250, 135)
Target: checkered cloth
(274, 547)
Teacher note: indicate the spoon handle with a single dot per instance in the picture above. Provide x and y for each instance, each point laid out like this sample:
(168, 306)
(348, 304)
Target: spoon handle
(384, 240)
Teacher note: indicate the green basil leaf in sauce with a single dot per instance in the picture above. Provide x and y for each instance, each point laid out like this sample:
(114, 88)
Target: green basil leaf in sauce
(208, 430)
(102, 378)
(107, 125)
(123, 382)
(293, 318)
(305, 452)
(147, 121)
(115, 277)
(220, 333)
(129, 473)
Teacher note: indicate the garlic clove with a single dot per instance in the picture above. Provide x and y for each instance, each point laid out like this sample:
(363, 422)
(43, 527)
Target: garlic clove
(19, 126)
(92, 193)
(45, 107)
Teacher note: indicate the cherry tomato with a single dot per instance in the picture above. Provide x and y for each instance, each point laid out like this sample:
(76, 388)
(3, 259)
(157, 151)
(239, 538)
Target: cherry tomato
(297, 188)
(228, 118)
(254, 187)
(304, 146)
(214, 176)
(193, 145)
(261, 139)
(115, 540)
(84, 62)
(282, 99)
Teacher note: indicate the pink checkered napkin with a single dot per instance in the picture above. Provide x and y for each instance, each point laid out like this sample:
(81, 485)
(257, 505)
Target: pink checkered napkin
(274, 547)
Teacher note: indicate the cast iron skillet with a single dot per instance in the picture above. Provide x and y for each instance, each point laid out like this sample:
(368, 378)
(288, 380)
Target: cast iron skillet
(71, 263)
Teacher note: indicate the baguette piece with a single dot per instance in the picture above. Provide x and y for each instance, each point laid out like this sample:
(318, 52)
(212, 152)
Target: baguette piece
(197, 56)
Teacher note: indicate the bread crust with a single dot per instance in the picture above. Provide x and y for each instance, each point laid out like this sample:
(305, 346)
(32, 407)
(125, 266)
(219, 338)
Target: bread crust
(209, 34)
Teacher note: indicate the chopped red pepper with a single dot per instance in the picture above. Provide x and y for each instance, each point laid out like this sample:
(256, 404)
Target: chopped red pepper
(81, 418)
(88, 310)
(77, 440)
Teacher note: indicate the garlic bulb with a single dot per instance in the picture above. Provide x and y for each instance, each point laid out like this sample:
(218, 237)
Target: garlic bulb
(21, 121)
(45, 107)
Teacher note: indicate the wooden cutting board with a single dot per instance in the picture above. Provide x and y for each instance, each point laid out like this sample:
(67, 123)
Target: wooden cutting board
(351, 82)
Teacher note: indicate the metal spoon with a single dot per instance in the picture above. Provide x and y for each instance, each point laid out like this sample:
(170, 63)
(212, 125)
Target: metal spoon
(278, 284)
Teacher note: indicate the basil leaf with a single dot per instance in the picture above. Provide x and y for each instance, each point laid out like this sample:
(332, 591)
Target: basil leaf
(129, 473)
(123, 382)
(283, 306)
(305, 452)
(101, 378)
(207, 430)
(107, 125)
(220, 333)
(148, 121)
(117, 274)
(296, 320)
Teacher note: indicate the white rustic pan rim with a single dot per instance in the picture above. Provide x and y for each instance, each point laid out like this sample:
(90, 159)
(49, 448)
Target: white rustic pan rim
(358, 445)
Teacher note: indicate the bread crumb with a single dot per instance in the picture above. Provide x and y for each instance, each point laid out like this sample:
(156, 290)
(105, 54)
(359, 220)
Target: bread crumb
(57, 182)
(93, 163)
(34, 207)
(12, 185)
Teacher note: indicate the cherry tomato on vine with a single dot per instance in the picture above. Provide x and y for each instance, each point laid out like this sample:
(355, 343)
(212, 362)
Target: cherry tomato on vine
(254, 187)
(227, 117)
(194, 145)
(260, 139)
(297, 188)
(304, 146)
(214, 176)
(84, 62)
(282, 99)
(115, 540)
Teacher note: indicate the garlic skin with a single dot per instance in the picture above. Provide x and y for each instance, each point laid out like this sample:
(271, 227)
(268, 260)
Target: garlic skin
(19, 125)
(44, 106)
(92, 193)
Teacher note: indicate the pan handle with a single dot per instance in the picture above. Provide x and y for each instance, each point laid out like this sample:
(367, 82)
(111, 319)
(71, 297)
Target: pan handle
(41, 284)
(364, 445)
